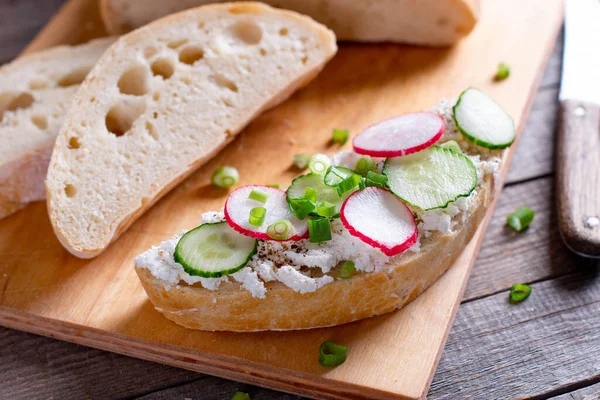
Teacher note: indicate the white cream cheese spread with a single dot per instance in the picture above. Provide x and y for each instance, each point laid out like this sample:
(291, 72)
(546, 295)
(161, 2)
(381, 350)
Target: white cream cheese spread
(303, 266)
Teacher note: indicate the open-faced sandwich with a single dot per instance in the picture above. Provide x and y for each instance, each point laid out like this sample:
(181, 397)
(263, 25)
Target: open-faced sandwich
(364, 233)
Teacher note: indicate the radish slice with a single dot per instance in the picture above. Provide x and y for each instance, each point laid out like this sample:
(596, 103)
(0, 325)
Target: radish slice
(401, 135)
(238, 206)
(380, 219)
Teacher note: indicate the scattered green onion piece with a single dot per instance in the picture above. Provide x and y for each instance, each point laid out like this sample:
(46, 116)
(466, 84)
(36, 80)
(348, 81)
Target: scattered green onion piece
(257, 216)
(375, 179)
(318, 164)
(346, 270)
(452, 145)
(348, 184)
(225, 177)
(274, 185)
(301, 160)
(503, 72)
(335, 175)
(259, 195)
(325, 209)
(364, 165)
(519, 292)
(520, 219)
(332, 354)
(241, 396)
(340, 136)
(281, 230)
(301, 207)
(319, 230)
(310, 194)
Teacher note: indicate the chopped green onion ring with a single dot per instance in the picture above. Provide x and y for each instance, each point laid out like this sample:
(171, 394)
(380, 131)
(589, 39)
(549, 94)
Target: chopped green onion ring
(241, 396)
(348, 184)
(364, 165)
(281, 230)
(519, 292)
(319, 230)
(503, 72)
(340, 136)
(310, 194)
(301, 207)
(346, 270)
(332, 354)
(335, 175)
(520, 219)
(225, 177)
(259, 195)
(319, 163)
(301, 160)
(257, 216)
(375, 179)
(452, 145)
(325, 209)
(274, 185)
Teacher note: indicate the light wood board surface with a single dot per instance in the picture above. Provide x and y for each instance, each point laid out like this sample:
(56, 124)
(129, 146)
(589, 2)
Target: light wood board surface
(100, 302)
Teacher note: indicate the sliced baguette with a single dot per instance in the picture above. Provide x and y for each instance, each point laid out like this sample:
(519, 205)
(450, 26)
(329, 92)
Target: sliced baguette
(424, 22)
(364, 295)
(162, 101)
(35, 94)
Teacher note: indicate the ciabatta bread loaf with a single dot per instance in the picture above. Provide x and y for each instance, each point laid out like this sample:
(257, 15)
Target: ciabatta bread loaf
(162, 101)
(35, 93)
(424, 22)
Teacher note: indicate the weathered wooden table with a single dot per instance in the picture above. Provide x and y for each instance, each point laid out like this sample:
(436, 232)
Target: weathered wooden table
(548, 346)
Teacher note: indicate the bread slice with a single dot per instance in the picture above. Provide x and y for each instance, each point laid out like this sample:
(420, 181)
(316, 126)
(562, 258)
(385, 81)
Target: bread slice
(162, 101)
(423, 22)
(364, 295)
(35, 93)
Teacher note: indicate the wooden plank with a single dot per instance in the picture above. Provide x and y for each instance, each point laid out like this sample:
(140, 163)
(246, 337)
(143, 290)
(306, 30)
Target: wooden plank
(534, 155)
(586, 393)
(507, 257)
(119, 318)
(551, 77)
(216, 389)
(38, 367)
(501, 350)
(21, 21)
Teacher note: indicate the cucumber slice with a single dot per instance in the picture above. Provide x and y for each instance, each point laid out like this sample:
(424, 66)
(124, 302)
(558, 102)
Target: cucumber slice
(431, 178)
(324, 192)
(482, 121)
(213, 250)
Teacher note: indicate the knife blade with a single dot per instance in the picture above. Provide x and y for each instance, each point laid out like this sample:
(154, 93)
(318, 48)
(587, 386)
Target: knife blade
(578, 145)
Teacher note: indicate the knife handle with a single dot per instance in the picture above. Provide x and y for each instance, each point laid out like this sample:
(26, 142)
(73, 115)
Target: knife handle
(578, 176)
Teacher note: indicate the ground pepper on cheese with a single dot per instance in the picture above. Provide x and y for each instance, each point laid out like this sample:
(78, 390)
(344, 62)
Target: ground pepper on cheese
(305, 267)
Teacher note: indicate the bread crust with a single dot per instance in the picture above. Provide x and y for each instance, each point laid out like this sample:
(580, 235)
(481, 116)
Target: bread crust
(348, 24)
(231, 308)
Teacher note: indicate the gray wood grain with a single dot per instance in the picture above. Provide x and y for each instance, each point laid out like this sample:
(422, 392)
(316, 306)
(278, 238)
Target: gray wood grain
(20, 21)
(502, 350)
(35, 367)
(587, 393)
(508, 257)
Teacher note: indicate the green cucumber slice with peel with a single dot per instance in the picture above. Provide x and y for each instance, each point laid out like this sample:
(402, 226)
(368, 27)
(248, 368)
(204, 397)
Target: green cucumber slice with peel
(324, 192)
(213, 250)
(432, 178)
(483, 121)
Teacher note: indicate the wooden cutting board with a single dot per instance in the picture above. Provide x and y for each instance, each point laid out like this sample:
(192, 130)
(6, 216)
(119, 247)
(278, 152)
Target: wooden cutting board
(100, 302)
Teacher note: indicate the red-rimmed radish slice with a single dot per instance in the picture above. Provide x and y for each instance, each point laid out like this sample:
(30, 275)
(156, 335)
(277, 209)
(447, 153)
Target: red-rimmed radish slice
(238, 206)
(380, 219)
(401, 135)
